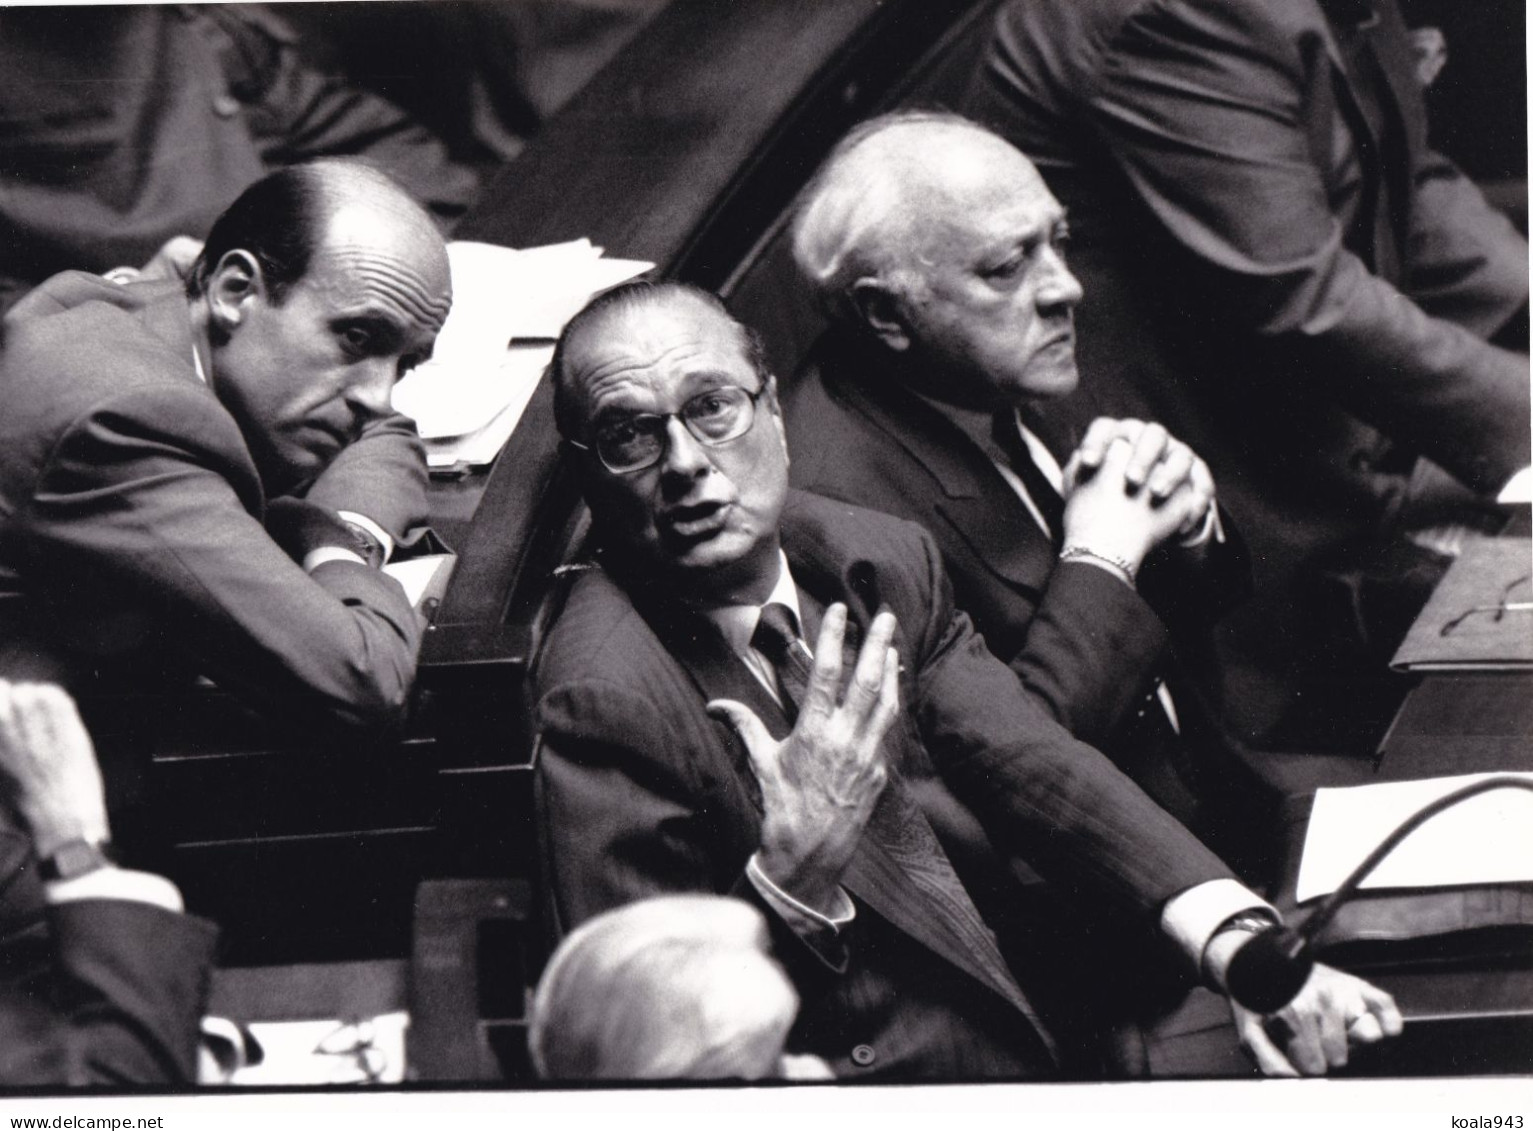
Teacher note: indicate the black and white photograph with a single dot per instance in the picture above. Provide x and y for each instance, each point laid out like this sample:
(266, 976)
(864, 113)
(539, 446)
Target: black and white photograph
(790, 555)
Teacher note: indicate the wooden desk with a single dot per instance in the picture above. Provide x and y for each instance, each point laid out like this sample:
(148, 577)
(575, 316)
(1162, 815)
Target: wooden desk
(1468, 1004)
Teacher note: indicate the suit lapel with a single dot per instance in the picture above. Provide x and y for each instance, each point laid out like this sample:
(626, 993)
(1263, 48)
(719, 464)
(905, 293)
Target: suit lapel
(878, 873)
(976, 501)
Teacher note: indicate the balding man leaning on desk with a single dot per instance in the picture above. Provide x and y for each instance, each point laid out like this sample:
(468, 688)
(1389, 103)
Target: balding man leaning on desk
(205, 478)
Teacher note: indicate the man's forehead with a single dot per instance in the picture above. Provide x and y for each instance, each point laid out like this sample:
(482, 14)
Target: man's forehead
(659, 343)
(386, 257)
(975, 186)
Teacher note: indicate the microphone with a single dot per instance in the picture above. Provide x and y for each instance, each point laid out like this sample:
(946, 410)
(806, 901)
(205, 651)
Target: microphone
(1268, 972)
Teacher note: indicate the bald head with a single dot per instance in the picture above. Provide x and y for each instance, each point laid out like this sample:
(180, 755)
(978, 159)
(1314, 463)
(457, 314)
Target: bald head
(887, 191)
(284, 218)
(316, 291)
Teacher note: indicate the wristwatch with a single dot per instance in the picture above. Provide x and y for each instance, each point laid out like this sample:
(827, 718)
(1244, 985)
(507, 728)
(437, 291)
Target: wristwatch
(1254, 921)
(76, 858)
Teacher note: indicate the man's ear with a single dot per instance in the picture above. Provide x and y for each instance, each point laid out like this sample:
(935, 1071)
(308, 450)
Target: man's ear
(233, 284)
(879, 308)
(769, 395)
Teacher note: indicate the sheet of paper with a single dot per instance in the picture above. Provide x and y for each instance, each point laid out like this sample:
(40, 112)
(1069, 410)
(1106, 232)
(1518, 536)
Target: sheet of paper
(371, 1051)
(419, 575)
(508, 307)
(1487, 839)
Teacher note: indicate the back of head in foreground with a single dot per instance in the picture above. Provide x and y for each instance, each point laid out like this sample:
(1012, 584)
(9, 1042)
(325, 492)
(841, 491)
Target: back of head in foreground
(674, 987)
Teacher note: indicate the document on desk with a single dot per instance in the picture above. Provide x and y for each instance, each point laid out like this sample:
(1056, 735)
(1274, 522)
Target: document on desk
(1487, 839)
(508, 308)
(1480, 616)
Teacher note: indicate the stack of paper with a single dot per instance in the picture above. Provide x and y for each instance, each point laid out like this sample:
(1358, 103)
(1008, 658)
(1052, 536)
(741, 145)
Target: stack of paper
(1487, 839)
(508, 308)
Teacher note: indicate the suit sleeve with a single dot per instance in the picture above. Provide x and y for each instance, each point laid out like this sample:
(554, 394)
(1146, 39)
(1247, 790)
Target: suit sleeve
(1091, 650)
(1040, 794)
(147, 513)
(1203, 110)
(382, 476)
(126, 994)
(624, 817)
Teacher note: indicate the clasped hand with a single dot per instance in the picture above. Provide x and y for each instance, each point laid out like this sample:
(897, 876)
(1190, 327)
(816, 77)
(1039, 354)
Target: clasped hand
(820, 784)
(1131, 486)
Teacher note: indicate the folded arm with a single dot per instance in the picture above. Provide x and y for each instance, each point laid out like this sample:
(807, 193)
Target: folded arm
(151, 515)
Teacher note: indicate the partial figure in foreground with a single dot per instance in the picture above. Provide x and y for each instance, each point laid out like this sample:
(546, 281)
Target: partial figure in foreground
(675, 987)
(693, 741)
(129, 972)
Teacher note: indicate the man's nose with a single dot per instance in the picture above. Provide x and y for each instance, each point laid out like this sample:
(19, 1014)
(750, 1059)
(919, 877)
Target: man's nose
(372, 394)
(1059, 287)
(684, 454)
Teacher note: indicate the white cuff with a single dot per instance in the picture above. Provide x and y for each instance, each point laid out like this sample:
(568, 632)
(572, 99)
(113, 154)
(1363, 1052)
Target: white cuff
(117, 883)
(1191, 917)
(1519, 488)
(800, 916)
(318, 557)
(372, 528)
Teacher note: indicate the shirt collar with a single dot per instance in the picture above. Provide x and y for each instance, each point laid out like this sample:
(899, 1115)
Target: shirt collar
(737, 623)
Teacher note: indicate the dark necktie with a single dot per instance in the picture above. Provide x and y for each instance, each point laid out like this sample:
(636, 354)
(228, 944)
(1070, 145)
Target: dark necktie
(776, 637)
(1044, 494)
(898, 823)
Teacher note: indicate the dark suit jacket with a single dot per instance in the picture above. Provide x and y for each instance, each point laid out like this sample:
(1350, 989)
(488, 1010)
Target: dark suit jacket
(1088, 648)
(644, 793)
(126, 126)
(1279, 269)
(131, 518)
(119, 1001)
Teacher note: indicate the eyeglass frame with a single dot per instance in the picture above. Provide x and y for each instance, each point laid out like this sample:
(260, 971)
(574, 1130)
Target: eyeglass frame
(752, 398)
(1498, 611)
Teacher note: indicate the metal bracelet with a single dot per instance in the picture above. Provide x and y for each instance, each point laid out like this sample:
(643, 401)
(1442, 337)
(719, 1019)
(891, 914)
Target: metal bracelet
(1072, 551)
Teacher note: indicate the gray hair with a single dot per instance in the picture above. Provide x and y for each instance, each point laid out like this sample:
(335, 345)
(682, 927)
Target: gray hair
(672, 987)
(846, 223)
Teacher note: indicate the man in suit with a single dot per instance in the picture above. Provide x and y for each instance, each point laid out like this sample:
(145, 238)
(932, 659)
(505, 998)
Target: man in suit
(1282, 272)
(938, 253)
(206, 477)
(691, 741)
(127, 974)
(130, 127)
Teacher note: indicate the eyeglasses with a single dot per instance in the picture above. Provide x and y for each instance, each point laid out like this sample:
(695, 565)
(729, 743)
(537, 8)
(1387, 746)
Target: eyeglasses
(1497, 611)
(626, 444)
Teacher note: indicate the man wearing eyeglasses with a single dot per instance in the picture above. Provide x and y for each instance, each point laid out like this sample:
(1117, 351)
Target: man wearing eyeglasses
(751, 691)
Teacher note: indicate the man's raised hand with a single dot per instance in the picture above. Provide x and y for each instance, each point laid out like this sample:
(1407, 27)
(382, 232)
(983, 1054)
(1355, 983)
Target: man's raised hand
(48, 766)
(819, 785)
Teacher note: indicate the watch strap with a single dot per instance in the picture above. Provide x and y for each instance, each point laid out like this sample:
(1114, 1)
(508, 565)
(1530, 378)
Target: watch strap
(75, 858)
